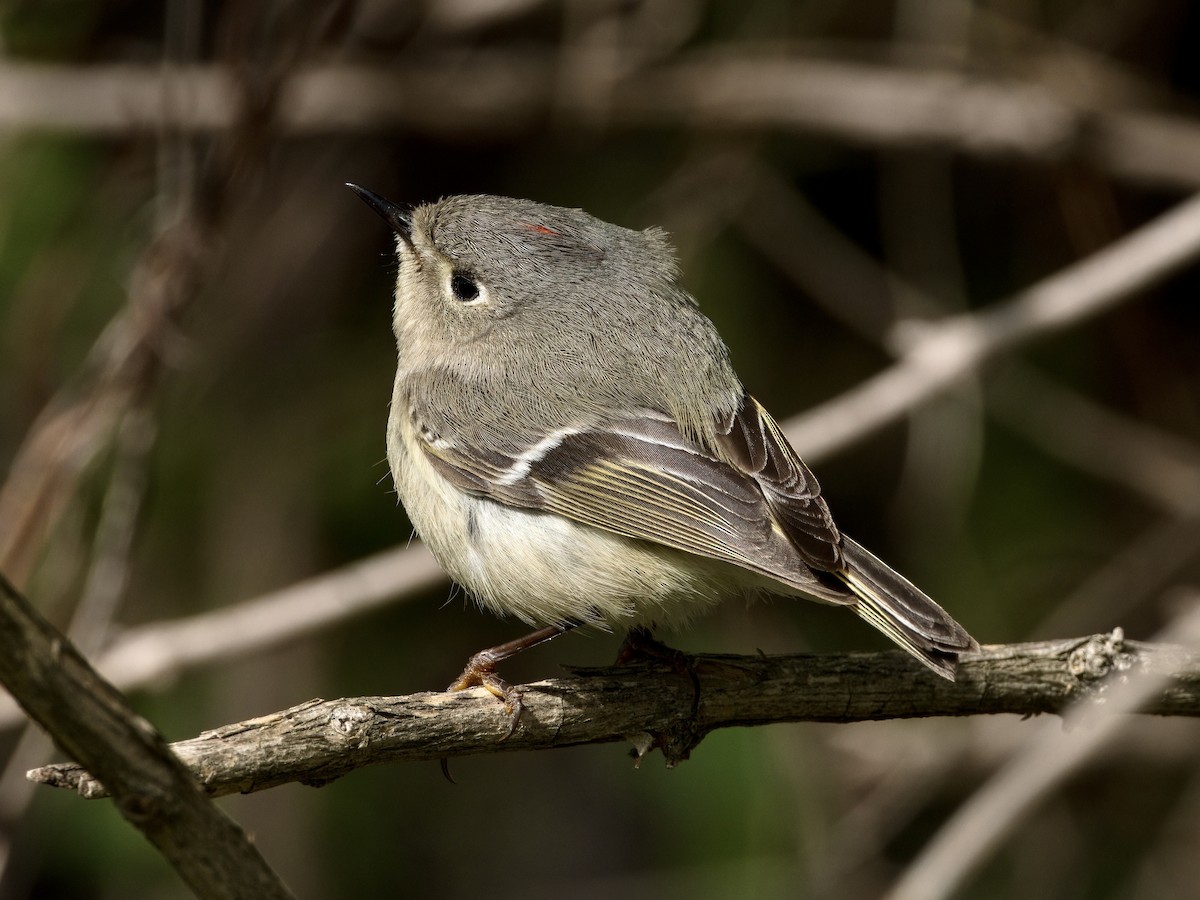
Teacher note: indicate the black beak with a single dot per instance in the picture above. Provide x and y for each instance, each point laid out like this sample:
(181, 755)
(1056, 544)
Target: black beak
(397, 215)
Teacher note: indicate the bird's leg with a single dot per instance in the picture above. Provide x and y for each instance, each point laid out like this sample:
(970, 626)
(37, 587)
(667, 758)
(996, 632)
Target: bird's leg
(481, 669)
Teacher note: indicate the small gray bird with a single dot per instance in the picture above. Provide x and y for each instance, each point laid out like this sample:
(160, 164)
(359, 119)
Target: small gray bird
(570, 439)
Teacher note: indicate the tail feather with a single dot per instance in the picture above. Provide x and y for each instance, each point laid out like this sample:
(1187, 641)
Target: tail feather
(895, 606)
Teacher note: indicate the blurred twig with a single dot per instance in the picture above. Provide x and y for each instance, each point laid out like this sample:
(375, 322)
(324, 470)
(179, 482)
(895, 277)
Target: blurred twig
(108, 576)
(163, 650)
(129, 359)
(90, 721)
(1128, 577)
(78, 425)
(659, 707)
(739, 87)
(123, 372)
(1162, 468)
(935, 356)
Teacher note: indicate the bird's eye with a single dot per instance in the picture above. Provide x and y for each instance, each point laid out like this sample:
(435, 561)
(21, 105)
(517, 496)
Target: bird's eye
(464, 287)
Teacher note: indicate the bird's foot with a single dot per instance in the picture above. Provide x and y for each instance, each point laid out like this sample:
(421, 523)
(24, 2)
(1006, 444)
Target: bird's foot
(481, 672)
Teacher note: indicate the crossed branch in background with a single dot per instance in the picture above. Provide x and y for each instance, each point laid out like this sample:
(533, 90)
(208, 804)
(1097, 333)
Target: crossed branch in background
(916, 110)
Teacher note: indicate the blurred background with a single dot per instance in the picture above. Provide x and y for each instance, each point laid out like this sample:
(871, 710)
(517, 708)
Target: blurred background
(196, 362)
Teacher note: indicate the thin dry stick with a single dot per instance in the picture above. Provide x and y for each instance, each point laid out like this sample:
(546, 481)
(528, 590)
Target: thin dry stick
(656, 706)
(1161, 467)
(163, 650)
(90, 721)
(969, 837)
(940, 354)
(1144, 567)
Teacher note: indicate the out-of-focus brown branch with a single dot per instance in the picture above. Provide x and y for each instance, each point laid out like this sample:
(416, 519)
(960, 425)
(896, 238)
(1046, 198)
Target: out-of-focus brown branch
(739, 88)
(91, 722)
(852, 286)
(118, 383)
(935, 356)
(127, 362)
(162, 650)
(1162, 468)
(654, 706)
(78, 425)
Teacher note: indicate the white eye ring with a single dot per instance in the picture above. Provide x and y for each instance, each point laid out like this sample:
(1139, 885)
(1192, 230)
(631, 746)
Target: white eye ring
(466, 289)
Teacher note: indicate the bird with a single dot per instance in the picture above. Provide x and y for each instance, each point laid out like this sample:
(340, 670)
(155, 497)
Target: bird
(569, 438)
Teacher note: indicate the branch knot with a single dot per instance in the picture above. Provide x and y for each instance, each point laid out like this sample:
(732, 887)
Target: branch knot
(352, 724)
(1100, 655)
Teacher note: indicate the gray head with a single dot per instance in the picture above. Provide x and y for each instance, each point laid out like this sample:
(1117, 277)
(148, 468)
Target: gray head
(507, 286)
(471, 261)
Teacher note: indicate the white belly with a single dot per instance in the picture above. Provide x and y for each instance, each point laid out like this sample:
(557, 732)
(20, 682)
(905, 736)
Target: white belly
(545, 568)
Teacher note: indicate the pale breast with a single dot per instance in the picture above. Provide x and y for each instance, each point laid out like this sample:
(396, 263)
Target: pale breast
(542, 567)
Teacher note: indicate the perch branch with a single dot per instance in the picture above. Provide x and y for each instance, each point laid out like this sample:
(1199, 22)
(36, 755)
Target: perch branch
(656, 707)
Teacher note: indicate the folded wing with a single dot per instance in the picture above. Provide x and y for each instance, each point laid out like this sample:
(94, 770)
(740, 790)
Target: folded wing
(639, 477)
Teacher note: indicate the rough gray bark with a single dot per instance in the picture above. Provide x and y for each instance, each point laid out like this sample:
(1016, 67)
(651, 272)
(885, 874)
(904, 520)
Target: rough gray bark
(658, 705)
(90, 720)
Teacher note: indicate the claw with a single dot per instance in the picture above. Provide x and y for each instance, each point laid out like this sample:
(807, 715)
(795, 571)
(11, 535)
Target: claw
(481, 672)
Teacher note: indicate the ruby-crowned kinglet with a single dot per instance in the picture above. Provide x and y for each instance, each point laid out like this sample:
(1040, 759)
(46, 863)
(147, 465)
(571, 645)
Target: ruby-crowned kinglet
(569, 438)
